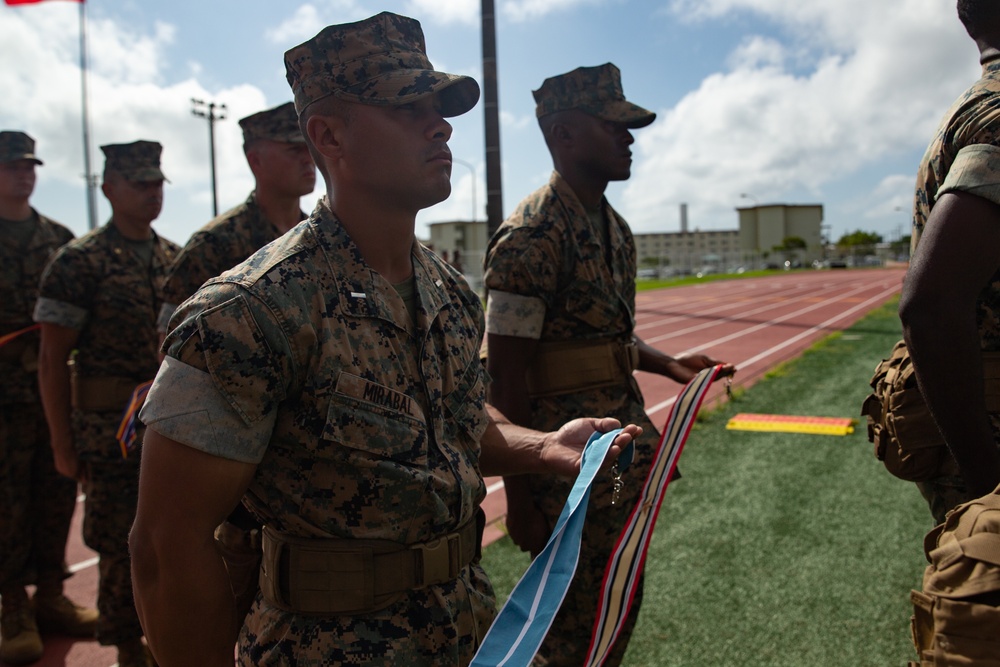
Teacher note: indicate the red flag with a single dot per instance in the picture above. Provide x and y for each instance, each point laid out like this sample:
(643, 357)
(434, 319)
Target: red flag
(31, 2)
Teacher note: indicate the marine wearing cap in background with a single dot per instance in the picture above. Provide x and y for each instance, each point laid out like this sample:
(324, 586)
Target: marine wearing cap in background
(137, 161)
(97, 306)
(544, 325)
(16, 145)
(37, 501)
(278, 124)
(283, 172)
(595, 90)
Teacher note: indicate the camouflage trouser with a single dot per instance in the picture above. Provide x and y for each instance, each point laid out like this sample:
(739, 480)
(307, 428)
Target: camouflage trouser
(36, 502)
(112, 492)
(568, 639)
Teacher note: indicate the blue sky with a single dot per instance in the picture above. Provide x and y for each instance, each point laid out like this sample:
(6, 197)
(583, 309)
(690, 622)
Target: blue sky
(824, 101)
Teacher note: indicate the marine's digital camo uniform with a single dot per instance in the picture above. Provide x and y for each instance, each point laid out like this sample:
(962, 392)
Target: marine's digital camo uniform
(236, 234)
(220, 245)
(549, 278)
(37, 501)
(964, 156)
(304, 361)
(100, 286)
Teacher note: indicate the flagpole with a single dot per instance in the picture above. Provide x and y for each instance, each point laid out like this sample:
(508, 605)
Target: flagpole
(91, 179)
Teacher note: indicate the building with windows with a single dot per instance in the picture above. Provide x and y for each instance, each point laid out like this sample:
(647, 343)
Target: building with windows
(762, 228)
(753, 245)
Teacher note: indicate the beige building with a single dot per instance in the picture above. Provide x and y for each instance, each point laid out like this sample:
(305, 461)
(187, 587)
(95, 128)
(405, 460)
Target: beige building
(690, 252)
(765, 226)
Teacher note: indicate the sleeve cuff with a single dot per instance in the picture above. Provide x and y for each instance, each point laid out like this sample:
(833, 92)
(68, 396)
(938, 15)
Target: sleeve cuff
(514, 315)
(184, 405)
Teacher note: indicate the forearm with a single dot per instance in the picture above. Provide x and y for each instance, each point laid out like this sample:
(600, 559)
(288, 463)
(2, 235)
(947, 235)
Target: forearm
(944, 344)
(54, 387)
(184, 601)
(652, 360)
(508, 449)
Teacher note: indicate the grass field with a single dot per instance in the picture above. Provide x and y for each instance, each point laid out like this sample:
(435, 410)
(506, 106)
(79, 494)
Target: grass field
(778, 549)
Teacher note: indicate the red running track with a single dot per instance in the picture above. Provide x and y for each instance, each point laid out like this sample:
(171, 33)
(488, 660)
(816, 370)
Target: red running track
(755, 323)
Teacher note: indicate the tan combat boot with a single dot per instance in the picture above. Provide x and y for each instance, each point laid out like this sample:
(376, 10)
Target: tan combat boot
(20, 643)
(57, 613)
(135, 654)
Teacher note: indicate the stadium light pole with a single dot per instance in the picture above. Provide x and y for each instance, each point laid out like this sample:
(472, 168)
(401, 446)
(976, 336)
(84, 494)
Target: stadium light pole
(211, 112)
(471, 167)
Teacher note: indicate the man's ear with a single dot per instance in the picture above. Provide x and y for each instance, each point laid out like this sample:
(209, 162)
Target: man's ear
(324, 133)
(253, 160)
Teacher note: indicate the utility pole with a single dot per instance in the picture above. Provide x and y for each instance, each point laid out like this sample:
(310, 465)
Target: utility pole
(491, 109)
(212, 112)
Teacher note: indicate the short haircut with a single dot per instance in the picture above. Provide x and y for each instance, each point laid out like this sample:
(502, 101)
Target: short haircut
(980, 17)
(327, 106)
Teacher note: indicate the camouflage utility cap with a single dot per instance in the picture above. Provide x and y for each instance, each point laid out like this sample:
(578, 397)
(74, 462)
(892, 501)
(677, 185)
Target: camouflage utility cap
(137, 161)
(595, 90)
(278, 124)
(381, 60)
(16, 145)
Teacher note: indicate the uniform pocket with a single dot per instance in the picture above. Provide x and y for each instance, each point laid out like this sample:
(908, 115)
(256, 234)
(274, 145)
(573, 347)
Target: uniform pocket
(377, 420)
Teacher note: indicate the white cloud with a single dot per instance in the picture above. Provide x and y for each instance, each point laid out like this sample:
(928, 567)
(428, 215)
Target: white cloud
(128, 101)
(515, 122)
(309, 19)
(464, 12)
(776, 123)
(526, 10)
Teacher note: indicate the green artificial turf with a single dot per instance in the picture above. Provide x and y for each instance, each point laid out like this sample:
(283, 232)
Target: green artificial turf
(780, 549)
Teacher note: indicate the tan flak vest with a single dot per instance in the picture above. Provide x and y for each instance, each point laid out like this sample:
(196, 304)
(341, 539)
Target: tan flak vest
(906, 439)
(956, 618)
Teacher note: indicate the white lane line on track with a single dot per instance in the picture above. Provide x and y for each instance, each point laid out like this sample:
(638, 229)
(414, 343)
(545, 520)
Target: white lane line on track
(773, 299)
(721, 308)
(771, 306)
(780, 346)
(83, 565)
(763, 325)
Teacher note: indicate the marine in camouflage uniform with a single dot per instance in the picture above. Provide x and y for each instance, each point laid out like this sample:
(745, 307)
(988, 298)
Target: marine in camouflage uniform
(331, 377)
(284, 171)
(98, 300)
(333, 380)
(963, 157)
(561, 278)
(38, 502)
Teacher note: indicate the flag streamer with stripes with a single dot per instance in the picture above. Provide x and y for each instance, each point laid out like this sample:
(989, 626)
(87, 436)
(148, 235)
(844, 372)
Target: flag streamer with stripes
(130, 417)
(7, 338)
(624, 569)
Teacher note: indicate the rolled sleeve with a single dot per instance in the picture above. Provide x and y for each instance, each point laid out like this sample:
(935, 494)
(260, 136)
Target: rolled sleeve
(976, 170)
(514, 315)
(185, 405)
(53, 311)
